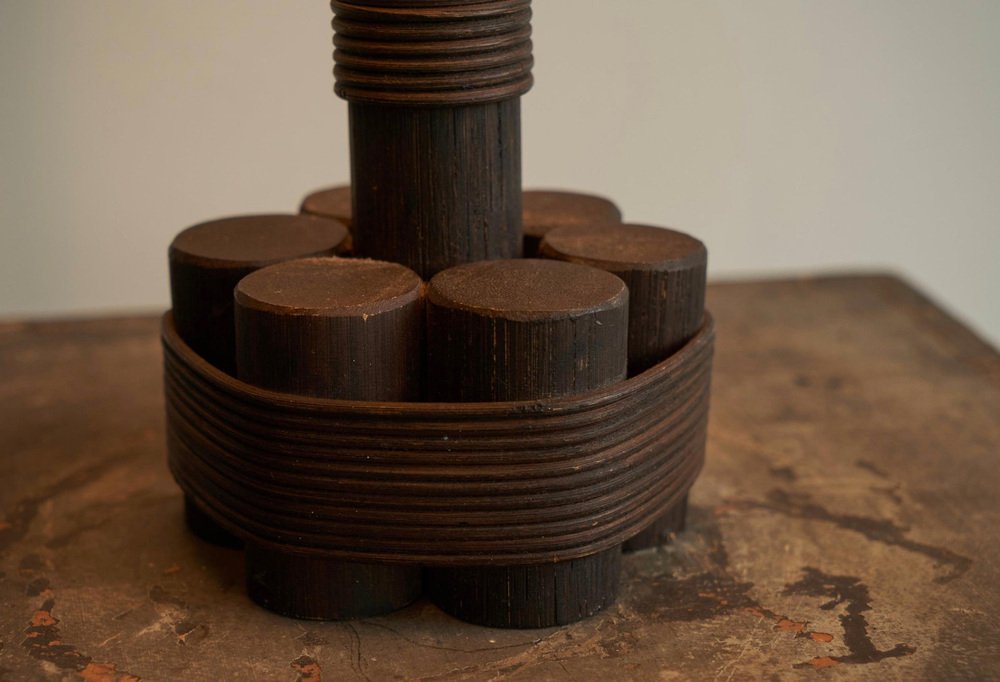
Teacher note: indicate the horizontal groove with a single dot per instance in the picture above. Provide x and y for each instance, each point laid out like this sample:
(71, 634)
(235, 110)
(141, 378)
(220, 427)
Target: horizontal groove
(396, 50)
(434, 80)
(434, 63)
(470, 29)
(426, 11)
(517, 482)
(432, 54)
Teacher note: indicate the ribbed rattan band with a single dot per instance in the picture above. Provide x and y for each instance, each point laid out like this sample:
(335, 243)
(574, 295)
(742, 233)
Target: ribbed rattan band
(436, 53)
(438, 483)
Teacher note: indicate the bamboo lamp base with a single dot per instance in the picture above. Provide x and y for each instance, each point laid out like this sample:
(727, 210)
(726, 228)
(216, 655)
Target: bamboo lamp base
(534, 596)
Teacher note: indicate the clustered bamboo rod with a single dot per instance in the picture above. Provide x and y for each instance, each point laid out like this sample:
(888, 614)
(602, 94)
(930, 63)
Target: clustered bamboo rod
(382, 398)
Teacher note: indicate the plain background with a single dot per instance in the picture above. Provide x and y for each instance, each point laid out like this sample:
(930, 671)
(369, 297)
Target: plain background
(791, 136)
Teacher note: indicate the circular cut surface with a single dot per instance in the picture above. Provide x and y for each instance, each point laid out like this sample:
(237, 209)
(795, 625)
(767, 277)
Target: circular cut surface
(333, 202)
(527, 288)
(547, 209)
(329, 286)
(623, 247)
(259, 239)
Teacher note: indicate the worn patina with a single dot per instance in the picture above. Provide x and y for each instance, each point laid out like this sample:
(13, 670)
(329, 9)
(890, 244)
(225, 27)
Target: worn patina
(846, 524)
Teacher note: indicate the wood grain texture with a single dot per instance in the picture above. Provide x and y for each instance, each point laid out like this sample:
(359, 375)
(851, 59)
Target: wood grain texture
(665, 272)
(436, 187)
(542, 210)
(516, 330)
(435, 127)
(521, 482)
(330, 327)
(315, 588)
(441, 54)
(546, 209)
(663, 530)
(524, 329)
(209, 259)
(852, 449)
(206, 262)
(532, 596)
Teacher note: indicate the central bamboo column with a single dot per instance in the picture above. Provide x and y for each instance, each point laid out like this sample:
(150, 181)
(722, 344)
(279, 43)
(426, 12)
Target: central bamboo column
(434, 104)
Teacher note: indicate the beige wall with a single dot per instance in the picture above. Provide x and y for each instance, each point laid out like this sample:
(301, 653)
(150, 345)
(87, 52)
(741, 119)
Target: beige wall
(790, 136)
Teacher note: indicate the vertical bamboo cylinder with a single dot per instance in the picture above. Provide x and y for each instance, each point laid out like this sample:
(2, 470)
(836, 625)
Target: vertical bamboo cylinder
(208, 259)
(339, 328)
(665, 272)
(546, 210)
(541, 211)
(456, 174)
(206, 262)
(435, 129)
(520, 330)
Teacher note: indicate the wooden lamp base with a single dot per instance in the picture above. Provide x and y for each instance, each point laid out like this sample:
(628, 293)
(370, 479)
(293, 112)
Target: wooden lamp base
(497, 427)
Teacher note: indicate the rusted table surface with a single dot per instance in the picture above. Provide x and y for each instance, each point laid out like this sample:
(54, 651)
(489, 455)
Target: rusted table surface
(847, 524)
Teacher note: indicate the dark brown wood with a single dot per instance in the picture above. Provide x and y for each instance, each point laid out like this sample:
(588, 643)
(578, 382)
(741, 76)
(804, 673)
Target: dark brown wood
(665, 272)
(545, 210)
(208, 259)
(333, 203)
(435, 126)
(206, 262)
(443, 53)
(662, 531)
(436, 187)
(331, 327)
(535, 596)
(524, 329)
(521, 482)
(329, 202)
(514, 330)
(852, 449)
(542, 210)
(316, 588)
